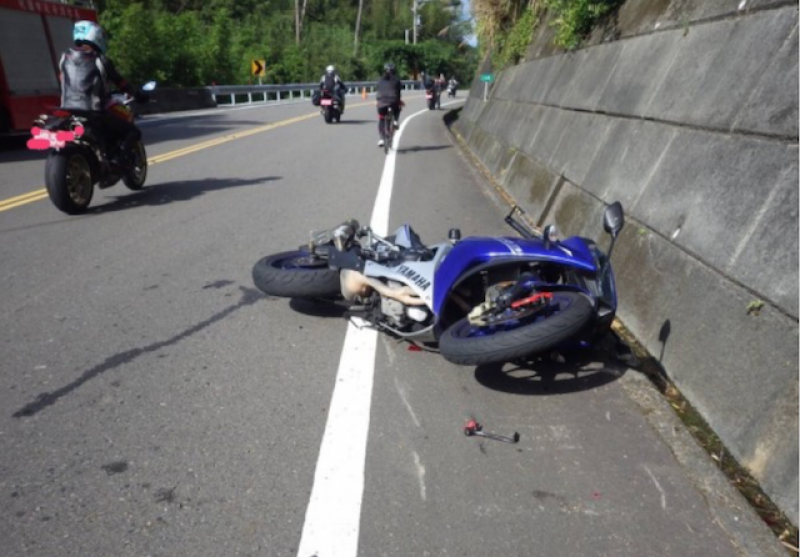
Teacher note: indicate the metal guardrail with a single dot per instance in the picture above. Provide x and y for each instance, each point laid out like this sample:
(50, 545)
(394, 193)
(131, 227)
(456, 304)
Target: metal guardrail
(230, 95)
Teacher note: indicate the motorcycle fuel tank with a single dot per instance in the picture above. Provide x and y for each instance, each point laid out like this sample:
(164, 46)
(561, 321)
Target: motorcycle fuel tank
(474, 251)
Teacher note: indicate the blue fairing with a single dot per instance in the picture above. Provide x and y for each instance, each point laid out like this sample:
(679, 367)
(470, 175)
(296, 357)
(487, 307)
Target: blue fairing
(474, 251)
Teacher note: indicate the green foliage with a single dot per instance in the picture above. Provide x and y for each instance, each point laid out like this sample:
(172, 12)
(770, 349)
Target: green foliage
(573, 19)
(511, 45)
(187, 43)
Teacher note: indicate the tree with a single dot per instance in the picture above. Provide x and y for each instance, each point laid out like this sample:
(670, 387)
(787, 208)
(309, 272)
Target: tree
(358, 27)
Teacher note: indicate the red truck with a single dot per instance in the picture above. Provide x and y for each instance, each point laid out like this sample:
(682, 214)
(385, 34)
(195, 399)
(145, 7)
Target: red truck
(33, 34)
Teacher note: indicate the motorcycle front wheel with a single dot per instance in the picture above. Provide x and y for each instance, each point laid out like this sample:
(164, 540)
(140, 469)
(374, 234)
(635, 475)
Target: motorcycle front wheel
(137, 174)
(296, 274)
(517, 336)
(68, 177)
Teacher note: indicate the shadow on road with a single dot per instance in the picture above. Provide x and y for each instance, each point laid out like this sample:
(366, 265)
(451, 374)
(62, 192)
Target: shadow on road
(316, 308)
(416, 149)
(249, 296)
(554, 373)
(355, 122)
(171, 192)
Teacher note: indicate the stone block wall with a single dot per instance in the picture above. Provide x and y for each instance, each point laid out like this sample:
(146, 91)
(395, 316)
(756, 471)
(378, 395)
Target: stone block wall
(687, 113)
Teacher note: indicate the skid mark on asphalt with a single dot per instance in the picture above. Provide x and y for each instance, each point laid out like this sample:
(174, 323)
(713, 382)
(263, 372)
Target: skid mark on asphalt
(249, 297)
(420, 476)
(404, 398)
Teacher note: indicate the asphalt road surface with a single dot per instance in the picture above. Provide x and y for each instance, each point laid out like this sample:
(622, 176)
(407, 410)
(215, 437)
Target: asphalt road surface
(154, 403)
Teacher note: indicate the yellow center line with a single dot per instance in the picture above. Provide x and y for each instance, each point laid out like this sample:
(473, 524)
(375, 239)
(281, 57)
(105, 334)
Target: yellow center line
(7, 204)
(14, 201)
(32, 196)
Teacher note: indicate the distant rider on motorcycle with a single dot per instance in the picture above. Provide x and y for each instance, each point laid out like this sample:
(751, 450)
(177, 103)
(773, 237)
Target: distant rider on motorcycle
(452, 86)
(85, 74)
(331, 82)
(388, 96)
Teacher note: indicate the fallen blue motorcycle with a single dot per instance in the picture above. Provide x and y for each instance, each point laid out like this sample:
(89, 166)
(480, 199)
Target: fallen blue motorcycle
(484, 300)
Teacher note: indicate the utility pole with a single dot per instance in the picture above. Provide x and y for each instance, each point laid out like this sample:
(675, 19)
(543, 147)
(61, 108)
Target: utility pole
(414, 10)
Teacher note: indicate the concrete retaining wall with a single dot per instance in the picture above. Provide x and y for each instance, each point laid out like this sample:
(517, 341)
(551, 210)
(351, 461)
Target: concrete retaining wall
(689, 117)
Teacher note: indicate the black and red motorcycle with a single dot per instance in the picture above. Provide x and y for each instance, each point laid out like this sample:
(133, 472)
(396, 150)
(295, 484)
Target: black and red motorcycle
(330, 106)
(432, 97)
(78, 158)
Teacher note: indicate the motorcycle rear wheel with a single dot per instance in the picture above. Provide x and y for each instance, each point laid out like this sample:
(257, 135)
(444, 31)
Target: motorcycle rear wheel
(471, 345)
(69, 181)
(328, 116)
(135, 177)
(295, 274)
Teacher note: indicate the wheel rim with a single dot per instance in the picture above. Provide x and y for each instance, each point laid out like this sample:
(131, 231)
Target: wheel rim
(302, 261)
(512, 319)
(79, 179)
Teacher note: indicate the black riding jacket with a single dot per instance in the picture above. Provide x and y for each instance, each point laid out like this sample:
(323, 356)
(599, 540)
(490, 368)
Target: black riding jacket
(85, 79)
(388, 90)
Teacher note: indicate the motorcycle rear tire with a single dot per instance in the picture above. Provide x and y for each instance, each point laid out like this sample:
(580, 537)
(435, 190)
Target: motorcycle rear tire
(328, 116)
(69, 180)
(528, 339)
(276, 275)
(134, 179)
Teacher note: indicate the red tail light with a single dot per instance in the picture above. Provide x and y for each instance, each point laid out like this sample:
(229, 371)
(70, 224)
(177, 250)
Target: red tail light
(60, 113)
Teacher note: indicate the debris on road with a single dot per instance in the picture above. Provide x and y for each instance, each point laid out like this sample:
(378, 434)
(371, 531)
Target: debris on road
(474, 428)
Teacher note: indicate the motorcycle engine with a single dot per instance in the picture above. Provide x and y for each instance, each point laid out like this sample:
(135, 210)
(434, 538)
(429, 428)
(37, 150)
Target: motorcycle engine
(394, 310)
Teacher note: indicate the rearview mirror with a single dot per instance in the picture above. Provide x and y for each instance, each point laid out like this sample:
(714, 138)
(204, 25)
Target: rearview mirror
(614, 219)
(550, 235)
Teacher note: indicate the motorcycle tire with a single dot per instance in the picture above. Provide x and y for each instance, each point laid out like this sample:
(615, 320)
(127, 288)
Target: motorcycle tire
(328, 116)
(431, 105)
(135, 177)
(469, 345)
(290, 275)
(69, 180)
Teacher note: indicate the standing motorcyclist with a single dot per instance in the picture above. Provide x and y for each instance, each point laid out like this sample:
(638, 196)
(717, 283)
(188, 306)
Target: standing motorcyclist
(432, 87)
(331, 82)
(85, 74)
(388, 95)
(441, 85)
(452, 86)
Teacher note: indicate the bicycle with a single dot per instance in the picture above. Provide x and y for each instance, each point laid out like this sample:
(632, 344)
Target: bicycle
(388, 130)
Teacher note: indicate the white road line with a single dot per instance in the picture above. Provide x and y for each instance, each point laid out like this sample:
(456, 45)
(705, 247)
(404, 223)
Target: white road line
(333, 515)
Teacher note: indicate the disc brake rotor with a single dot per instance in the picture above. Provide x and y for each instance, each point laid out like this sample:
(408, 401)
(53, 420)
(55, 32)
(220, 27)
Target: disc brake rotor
(489, 314)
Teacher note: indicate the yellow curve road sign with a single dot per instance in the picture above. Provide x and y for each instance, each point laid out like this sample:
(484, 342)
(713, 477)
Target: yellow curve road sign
(258, 68)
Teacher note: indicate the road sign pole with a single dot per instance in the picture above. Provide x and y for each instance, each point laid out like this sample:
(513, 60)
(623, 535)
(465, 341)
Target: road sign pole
(485, 90)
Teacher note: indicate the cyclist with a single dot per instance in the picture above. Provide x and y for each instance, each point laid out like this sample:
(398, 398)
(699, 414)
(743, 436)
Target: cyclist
(388, 96)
